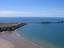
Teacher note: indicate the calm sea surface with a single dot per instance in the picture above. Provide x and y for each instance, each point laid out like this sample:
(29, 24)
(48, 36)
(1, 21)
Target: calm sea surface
(47, 35)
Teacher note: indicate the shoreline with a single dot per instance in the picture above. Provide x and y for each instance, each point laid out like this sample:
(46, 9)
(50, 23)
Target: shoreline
(17, 40)
(28, 41)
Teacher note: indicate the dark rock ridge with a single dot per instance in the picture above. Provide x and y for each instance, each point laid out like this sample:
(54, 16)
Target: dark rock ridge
(14, 26)
(10, 26)
(49, 22)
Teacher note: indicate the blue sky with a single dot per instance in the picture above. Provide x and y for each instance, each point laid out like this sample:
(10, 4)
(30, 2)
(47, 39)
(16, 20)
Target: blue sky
(32, 8)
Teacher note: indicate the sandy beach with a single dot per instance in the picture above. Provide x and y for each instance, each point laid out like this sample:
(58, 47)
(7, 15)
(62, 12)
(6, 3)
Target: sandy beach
(14, 40)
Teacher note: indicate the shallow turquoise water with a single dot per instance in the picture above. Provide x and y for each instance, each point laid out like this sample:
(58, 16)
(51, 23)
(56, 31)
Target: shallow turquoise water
(47, 35)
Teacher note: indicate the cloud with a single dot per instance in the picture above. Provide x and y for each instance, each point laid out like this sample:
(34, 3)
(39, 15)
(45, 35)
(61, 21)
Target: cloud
(42, 13)
(14, 14)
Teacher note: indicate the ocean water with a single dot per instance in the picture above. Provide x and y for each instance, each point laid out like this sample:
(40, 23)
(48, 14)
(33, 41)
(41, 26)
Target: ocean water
(47, 35)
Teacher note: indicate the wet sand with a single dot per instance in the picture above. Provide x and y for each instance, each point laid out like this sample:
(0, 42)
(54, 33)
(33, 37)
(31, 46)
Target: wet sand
(14, 40)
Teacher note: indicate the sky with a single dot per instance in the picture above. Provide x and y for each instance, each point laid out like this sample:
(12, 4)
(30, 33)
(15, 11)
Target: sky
(31, 8)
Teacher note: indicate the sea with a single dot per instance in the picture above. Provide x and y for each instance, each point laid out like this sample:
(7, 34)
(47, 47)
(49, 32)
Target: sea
(45, 35)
